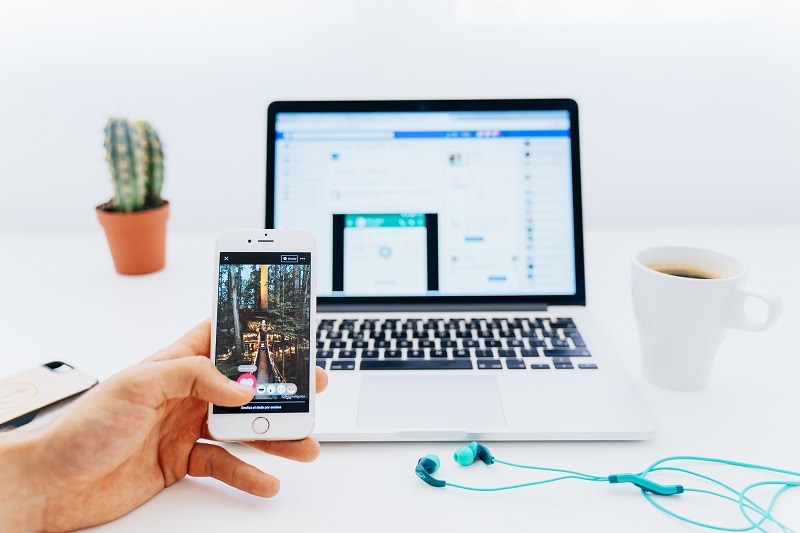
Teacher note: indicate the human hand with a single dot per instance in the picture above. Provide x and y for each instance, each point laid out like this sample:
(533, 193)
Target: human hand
(137, 433)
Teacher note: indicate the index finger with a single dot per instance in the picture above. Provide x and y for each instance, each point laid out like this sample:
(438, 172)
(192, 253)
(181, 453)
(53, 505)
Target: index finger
(154, 382)
(197, 341)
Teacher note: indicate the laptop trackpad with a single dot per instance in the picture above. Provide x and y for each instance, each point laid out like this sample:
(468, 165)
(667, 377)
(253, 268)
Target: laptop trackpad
(430, 402)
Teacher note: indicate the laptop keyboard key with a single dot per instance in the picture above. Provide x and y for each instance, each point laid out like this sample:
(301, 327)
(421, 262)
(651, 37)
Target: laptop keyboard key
(417, 364)
(577, 340)
(343, 365)
(464, 352)
(347, 354)
(527, 352)
(507, 353)
(562, 323)
(515, 364)
(369, 354)
(566, 352)
(493, 364)
(484, 353)
(416, 354)
(438, 353)
(324, 354)
(392, 354)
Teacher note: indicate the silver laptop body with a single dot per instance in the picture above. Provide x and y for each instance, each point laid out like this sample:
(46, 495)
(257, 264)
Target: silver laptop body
(451, 291)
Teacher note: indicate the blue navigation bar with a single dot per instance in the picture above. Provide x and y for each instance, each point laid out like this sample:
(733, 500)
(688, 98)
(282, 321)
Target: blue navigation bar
(480, 134)
(388, 135)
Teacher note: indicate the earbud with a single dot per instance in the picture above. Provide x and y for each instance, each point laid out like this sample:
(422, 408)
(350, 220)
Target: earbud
(427, 466)
(466, 454)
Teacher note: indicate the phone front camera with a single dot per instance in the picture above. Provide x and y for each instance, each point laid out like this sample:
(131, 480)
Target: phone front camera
(248, 240)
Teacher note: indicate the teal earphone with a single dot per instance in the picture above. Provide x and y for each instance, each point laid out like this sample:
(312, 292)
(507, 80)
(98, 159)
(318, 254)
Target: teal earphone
(756, 515)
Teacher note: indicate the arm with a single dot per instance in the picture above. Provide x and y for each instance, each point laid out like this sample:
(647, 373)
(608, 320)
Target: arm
(127, 439)
(21, 497)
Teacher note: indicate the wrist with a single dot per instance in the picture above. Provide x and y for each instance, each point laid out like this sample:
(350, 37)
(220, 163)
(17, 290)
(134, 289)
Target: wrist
(22, 500)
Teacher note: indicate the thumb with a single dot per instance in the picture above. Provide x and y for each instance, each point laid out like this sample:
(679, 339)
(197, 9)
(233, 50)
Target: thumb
(186, 377)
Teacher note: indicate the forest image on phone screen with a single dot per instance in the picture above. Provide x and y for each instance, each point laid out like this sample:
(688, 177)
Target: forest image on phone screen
(263, 328)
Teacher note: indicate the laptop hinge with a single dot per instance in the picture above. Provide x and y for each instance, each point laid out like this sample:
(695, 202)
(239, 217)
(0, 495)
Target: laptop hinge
(421, 308)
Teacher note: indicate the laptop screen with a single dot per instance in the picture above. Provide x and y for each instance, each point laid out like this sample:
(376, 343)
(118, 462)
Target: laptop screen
(452, 201)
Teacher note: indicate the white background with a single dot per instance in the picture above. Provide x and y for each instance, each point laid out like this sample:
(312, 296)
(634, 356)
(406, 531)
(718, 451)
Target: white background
(689, 109)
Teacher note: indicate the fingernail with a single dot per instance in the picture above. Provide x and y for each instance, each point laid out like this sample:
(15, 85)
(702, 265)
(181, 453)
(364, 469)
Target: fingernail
(239, 386)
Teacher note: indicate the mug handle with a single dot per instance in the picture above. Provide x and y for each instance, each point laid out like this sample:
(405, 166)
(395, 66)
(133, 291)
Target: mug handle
(737, 318)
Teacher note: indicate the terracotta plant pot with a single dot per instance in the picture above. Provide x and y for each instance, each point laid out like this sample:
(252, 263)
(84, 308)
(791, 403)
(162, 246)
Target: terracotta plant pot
(137, 240)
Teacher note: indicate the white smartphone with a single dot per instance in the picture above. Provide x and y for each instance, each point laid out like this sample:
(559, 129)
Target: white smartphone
(263, 332)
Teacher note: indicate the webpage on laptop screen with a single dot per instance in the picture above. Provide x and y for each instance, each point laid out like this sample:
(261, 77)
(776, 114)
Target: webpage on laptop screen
(438, 203)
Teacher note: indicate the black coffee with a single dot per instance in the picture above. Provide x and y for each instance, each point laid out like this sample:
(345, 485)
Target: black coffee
(685, 271)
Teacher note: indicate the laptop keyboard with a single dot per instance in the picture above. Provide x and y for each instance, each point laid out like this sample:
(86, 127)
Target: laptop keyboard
(452, 343)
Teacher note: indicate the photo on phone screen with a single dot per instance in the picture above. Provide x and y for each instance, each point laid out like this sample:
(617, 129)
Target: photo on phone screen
(263, 328)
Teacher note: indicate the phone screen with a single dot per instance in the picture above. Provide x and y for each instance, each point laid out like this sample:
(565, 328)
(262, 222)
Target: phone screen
(263, 328)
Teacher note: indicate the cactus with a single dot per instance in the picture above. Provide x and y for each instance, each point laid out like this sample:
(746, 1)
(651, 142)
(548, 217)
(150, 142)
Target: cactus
(155, 163)
(134, 155)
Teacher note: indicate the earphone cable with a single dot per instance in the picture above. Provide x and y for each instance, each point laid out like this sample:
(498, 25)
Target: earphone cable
(521, 485)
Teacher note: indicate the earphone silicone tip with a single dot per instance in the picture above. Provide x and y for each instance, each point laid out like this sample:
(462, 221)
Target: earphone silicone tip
(435, 459)
(464, 456)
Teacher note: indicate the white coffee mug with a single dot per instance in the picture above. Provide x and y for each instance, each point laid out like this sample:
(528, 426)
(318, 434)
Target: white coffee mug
(682, 320)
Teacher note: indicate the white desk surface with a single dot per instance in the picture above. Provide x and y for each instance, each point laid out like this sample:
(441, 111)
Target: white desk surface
(63, 300)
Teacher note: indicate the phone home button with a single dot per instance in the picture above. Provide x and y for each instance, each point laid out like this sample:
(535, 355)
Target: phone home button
(260, 425)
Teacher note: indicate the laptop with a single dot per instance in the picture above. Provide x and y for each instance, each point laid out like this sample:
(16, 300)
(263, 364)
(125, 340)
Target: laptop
(451, 291)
